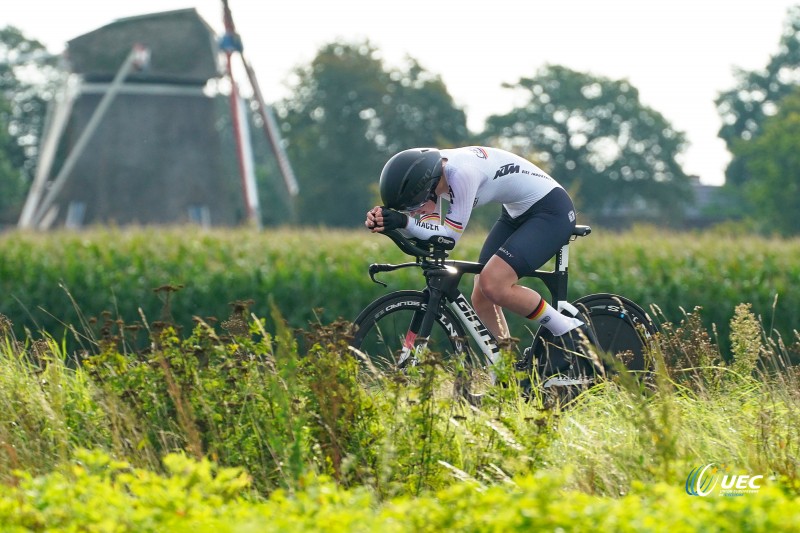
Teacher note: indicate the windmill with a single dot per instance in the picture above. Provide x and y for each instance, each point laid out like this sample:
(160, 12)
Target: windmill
(137, 135)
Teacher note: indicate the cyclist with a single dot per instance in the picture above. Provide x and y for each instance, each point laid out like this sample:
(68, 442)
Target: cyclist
(537, 218)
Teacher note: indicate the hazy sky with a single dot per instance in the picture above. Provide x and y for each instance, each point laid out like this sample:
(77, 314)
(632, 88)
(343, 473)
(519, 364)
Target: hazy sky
(679, 53)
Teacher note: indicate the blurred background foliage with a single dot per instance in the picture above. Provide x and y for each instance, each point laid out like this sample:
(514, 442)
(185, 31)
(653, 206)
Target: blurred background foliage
(348, 112)
(63, 282)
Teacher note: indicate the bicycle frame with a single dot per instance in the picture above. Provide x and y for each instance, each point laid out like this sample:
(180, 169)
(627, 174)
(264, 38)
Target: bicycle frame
(620, 328)
(442, 280)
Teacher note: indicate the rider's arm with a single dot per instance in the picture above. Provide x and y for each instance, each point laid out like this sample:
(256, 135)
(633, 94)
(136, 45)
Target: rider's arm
(463, 187)
(429, 225)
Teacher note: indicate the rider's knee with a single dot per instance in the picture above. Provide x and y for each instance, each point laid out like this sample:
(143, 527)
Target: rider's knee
(491, 289)
(478, 298)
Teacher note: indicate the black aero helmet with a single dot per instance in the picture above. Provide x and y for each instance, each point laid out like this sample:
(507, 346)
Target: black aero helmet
(409, 177)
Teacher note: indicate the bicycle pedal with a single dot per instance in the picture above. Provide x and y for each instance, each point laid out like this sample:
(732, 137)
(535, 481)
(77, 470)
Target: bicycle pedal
(523, 364)
(568, 381)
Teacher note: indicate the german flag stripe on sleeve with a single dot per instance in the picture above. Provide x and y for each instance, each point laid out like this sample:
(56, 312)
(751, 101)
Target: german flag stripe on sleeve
(454, 225)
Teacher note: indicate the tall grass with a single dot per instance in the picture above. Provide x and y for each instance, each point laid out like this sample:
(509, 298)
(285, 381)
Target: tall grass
(248, 398)
(304, 417)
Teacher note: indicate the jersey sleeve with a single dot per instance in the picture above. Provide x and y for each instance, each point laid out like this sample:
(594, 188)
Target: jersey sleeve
(463, 189)
(427, 226)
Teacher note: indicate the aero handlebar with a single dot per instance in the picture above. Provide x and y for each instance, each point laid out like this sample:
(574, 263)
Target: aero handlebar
(435, 247)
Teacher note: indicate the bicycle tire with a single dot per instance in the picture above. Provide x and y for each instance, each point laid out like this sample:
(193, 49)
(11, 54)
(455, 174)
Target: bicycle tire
(622, 328)
(380, 329)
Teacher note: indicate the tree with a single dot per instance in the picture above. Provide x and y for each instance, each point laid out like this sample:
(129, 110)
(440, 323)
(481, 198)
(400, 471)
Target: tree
(11, 182)
(774, 158)
(755, 101)
(27, 72)
(596, 137)
(757, 96)
(347, 115)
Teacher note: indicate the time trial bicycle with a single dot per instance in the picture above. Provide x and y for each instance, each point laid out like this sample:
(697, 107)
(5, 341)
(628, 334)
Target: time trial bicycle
(393, 329)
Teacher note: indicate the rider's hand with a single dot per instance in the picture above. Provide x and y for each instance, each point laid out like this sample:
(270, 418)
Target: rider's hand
(393, 219)
(372, 219)
(382, 218)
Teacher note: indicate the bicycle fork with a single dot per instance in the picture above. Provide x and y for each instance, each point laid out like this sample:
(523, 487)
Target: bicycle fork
(419, 330)
(416, 339)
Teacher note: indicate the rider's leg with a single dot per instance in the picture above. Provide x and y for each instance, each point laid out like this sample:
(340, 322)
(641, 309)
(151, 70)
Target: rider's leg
(514, 248)
(497, 285)
(490, 314)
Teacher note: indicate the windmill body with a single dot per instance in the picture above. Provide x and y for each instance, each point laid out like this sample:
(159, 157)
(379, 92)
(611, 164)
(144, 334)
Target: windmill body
(137, 137)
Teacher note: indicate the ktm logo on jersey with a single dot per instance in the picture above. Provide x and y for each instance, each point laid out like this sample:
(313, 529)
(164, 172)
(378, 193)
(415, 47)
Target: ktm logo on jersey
(506, 169)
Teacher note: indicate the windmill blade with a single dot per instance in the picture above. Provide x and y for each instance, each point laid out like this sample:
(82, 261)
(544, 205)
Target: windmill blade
(272, 132)
(270, 125)
(229, 44)
(39, 218)
(58, 114)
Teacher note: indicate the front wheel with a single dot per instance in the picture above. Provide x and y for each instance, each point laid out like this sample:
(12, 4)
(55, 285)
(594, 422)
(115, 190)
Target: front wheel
(387, 325)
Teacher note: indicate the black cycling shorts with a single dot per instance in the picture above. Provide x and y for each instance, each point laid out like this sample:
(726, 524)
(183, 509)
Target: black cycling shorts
(530, 240)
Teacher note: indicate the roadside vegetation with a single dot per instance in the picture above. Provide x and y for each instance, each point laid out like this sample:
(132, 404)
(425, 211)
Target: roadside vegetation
(248, 423)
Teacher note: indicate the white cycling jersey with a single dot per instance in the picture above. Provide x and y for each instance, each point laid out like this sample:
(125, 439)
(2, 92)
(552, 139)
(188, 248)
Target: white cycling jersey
(479, 175)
